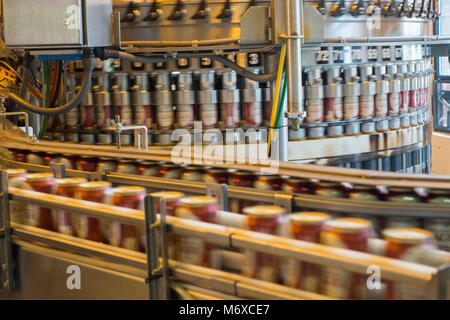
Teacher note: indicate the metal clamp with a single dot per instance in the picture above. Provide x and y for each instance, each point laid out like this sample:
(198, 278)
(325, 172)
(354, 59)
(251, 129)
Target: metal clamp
(140, 133)
(58, 169)
(219, 191)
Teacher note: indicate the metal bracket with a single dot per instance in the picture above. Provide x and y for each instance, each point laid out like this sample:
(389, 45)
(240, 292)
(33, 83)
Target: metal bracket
(154, 268)
(219, 191)
(7, 280)
(443, 277)
(59, 170)
(285, 201)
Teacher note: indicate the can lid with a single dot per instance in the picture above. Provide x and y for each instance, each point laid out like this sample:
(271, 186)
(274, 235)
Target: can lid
(268, 177)
(297, 180)
(193, 168)
(128, 191)
(71, 182)
(407, 235)
(106, 159)
(150, 163)
(127, 161)
(198, 201)
(15, 172)
(39, 176)
(216, 170)
(309, 217)
(349, 224)
(264, 211)
(95, 185)
(169, 195)
(243, 173)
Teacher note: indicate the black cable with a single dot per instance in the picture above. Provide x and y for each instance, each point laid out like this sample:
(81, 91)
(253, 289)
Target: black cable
(225, 61)
(88, 64)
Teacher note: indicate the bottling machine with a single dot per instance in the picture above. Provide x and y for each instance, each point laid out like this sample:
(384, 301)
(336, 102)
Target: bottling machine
(305, 105)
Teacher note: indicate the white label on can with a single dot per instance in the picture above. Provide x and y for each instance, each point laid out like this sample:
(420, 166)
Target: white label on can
(191, 249)
(72, 117)
(381, 105)
(142, 116)
(253, 113)
(334, 109)
(367, 106)
(126, 114)
(314, 111)
(185, 115)
(394, 103)
(230, 114)
(208, 115)
(164, 116)
(351, 108)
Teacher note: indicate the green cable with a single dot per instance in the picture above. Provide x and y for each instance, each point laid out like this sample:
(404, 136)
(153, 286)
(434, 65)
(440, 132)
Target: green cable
(283, 98)
(46, 98)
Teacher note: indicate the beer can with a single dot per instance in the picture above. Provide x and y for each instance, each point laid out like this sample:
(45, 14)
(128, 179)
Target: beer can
(327, 189)
(259, 265)
(413, 245)
(36, 158)
(165, 116)
(194, 250)
(51, 157)
(106, 164)
(305, 226)
(69, 187)
(440, 227)
(122, 235)
(37, 216)
(170, 171)
(87, 137)
(352, 234)
(70, 161)
(87, 163)
(297, 185)
(173, 201)
(127, 167)
(90, 228)
(209, 115)
(192, 173)
(185, 115)
(20, 155)
(149, 168)
(72, 136)
(268, 182)
(216, 175)
(244, 179)
(17, 209)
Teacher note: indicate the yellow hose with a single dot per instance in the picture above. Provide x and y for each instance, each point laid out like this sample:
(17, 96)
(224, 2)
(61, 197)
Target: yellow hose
(276, 98)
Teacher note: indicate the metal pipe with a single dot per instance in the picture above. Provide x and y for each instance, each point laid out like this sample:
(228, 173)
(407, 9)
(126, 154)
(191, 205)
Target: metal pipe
(293, 9)
(190, 43)
(27, 124)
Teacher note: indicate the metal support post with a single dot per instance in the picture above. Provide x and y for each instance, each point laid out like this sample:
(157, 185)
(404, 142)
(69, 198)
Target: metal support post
(219, 191)
(155, 270)
(7, 280)
(59, 170)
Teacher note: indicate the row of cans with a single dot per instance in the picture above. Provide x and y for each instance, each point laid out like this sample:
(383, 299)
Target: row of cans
(418, 161)
(366, 91)
(233, 177)
(411, 244)
(171, 101)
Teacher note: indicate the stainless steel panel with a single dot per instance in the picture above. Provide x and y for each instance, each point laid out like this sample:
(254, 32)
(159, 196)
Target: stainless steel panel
(44, 22)
(43, 275)
(62, 24)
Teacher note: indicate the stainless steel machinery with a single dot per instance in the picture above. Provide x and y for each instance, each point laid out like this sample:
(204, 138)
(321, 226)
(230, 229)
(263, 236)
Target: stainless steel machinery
(335, 94)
